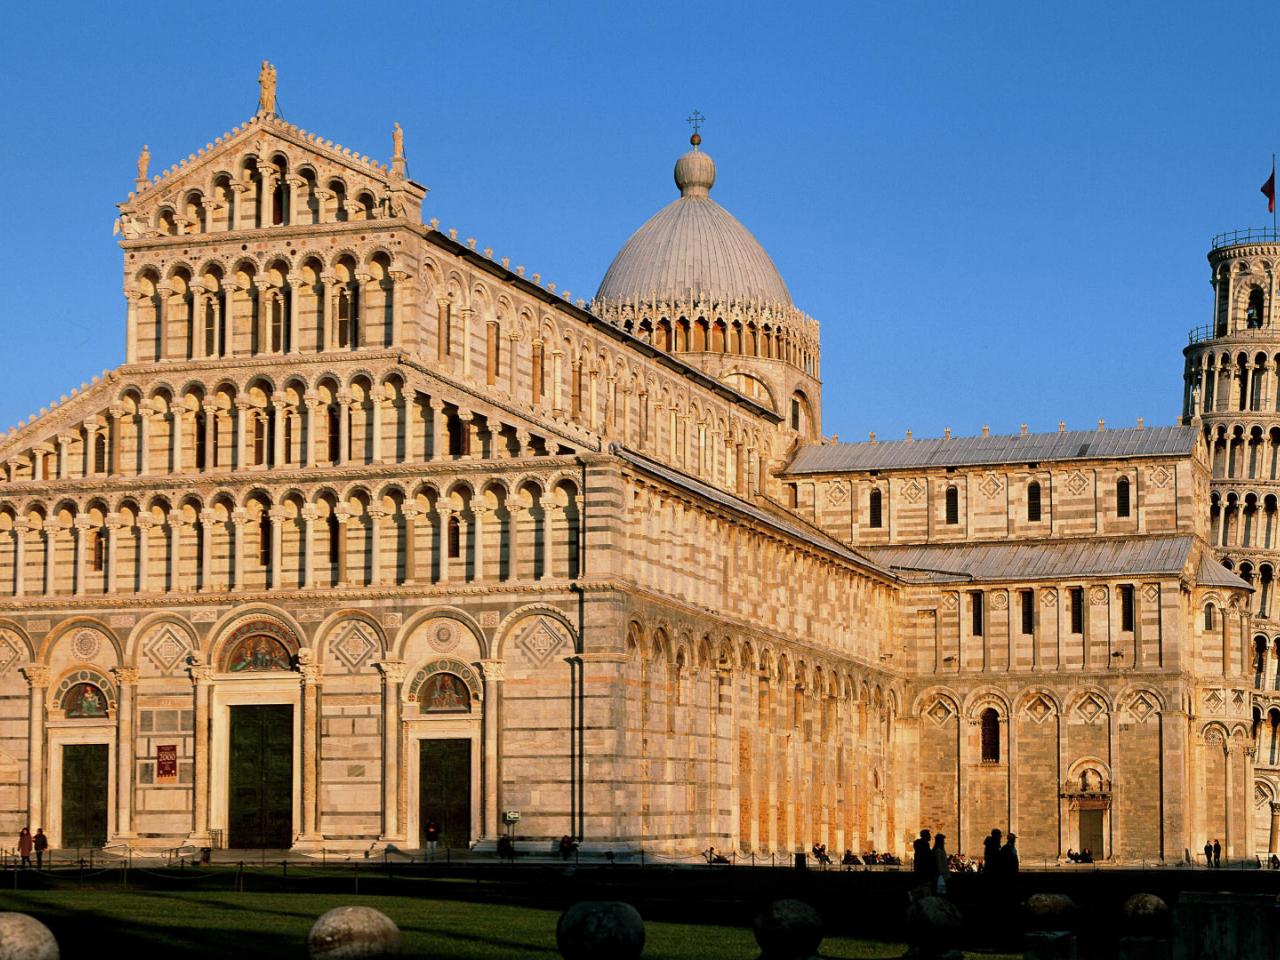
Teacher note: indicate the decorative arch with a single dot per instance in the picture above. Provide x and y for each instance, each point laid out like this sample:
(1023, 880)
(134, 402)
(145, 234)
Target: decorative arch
(506, 635)
(84, 624)
(83, 692)
(239, 650)
(445, 686)
(469, 623)
(349, 641)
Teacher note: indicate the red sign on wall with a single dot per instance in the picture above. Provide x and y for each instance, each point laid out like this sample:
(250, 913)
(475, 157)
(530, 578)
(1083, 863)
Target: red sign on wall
(167, 764)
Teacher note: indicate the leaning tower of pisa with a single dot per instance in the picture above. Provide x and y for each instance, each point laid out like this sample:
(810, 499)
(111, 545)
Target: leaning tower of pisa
(1232, 384)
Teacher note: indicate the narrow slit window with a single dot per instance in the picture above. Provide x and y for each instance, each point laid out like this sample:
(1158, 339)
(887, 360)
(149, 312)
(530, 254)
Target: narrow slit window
(1122, 497)
(1077, 609)
(953, 505)
(1033, 502)
(990, 736)
(875, 518)
(1028, 611)
(975, 606)
(1126, 608)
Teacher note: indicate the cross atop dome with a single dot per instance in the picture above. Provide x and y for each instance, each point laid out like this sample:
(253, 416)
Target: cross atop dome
(696, 120)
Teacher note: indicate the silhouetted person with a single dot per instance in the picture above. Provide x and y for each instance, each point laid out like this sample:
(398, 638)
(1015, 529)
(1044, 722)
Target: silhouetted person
(1009, 858)
(567, 846)
(40, 843)
(991, 853)
(1217, 854)
(1208, 854)
(922, 861)
(941, 865)
(24, 846)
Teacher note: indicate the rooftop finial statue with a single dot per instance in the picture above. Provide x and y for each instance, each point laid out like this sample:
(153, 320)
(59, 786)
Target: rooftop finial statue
(267, 89)
(144, 158)
(397, 142)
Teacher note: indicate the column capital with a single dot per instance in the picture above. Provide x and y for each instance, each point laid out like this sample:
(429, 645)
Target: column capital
(392, 670)
(125, 675)
(436, 404)
(495, 670)
(309, 512)
(410, 513)
(377, 513)
(65, 438)
(399, 276)
(210, 409)
(208, 515)
(263, 283)
(279, 399)
(21, 525)
(90, 427)
(36, 674)
(239, 516)
(145, 521)
(201, 674)
(243, 403)
(177, 521)
(117, 411)
(115, 521)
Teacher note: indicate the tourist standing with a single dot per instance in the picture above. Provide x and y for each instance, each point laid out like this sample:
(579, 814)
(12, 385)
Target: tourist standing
(41, 843)
(1208, 854)
(1009, 858)
(922, 858)
(1217, 854)
(991, 853)
(940, 865)
(433, 837)
(24, 846)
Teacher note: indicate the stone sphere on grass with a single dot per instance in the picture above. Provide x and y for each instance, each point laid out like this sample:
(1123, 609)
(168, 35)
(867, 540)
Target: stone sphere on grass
(788, 929)
(25, 938)
(1146, 914)
(933, 925)
(350, 933)
(600, 930)
(1049, 911)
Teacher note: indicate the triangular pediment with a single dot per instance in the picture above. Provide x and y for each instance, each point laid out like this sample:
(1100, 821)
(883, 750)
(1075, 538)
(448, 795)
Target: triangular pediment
(232, 158)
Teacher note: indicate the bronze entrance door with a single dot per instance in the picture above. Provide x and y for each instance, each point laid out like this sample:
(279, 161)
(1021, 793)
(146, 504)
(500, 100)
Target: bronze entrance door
(444, 790)
(260, 775)
(84, 794)
(1091, 832)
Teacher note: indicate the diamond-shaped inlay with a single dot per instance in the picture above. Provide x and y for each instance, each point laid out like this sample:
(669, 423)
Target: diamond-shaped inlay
(913, 491)
(940, 712)
(1077, 484)
(166, 648)
(1039, 709)
(1214, 699)
(355, 646)
(1160, 477)
(540, 642)
(950, 601)
(991, 485)
(837, 493)
(1142, 707)
(1152, 593)
(10, 650)
(1048, 597)
(1090, 708)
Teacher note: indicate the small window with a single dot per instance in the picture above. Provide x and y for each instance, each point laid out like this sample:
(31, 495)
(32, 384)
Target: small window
(1033, 502)
(795, 414)
(990, 736)
(264, 539)
(1208, 616)
(335, 533)
(1126, 608)
(953, 505)
(100, 453)
(1077, 609)
(1028, 611)
(1253, 314)
(1122, 497)
(874, 518)
(334, 432)
(975, 604)
(259, 440)
(99, 551)
(455, 538)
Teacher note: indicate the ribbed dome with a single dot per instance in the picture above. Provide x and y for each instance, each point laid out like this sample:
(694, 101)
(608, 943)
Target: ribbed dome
(693, 246)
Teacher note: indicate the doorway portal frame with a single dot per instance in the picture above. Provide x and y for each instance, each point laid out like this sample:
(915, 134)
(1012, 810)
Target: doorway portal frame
(60, 734)
(426, 727)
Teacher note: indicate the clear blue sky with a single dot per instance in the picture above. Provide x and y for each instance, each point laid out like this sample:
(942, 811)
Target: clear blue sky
(999, 212)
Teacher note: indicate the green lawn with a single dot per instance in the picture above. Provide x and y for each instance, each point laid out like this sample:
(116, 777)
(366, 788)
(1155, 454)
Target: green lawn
(244, 925)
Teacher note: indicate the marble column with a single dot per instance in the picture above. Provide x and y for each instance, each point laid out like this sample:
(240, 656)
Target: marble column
(494, 673)
(51, 529)
(327, 338)
(126, 678)
(145, 418)
(145, 523)
(308, 545)
(242, 410)
(410, 543)
(479, 525)
(176, 413)
(439, 431)
(176, 524)
(279, 414)
(90, 428)
(210, 436)
(314, 421)
(392, 677)
(64, 456)
(376, 518)
(344, 427)
(360, 311)
(1273, 840)
(208, 523)
(202, 682)
(20, 528)
(399, 279)
(239, 518)
(37, 676)
(310, 745)
(164, 291)
(295, 298)
(131, 326)
(443, 541)
(376, 406)
(342, 519)
(114, 523)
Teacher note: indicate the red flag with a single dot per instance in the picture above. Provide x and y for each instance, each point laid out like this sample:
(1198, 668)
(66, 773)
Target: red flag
(1269, 189)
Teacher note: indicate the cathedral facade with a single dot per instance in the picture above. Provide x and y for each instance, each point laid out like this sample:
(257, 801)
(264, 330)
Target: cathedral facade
(372, 529)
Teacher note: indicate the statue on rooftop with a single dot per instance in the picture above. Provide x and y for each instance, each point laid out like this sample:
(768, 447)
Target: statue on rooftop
(144, 158)
(267, 89)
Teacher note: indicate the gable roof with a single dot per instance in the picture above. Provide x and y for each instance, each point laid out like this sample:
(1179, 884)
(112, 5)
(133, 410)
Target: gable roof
(1172, 441)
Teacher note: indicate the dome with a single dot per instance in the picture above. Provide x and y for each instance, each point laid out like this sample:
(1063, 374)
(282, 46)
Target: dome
(693, 246)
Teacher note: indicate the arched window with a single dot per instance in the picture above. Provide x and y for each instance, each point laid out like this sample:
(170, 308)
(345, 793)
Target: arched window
(288, 438)
(210, 326)
(953, 505)
(99, 553)
(277, 324)
(334, 433)
(264, 538)
(1208, 616)
(1033, 501)
(1122, 497)
(335, 533)
(100, 453)
(199, 439)
(1253, 313)
(875, 517)
(795, 414)
(259, 439)
(455, 538)
(344, 317)
(990, 736)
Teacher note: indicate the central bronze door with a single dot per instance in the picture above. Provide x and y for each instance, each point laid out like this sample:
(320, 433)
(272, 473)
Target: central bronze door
(1091, 833)
(444, 790)
(260, 807)
(84, 795)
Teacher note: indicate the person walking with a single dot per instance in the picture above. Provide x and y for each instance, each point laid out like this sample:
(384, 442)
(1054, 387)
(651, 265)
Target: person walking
(941, 866)
(433, 837)
(41, 843)
(1217, 854)
(1009, 858)
(991, 853)
(24, 847)
(1208, 854)
(922, 858)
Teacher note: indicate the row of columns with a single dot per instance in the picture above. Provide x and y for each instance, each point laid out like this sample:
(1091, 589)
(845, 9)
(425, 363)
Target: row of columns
(473, 528)
(209, 305)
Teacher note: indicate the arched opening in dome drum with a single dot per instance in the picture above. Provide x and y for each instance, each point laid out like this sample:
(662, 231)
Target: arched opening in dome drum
(700, 335)
(662, 335)
(682, 335)
(800, 418)
(1253, 313)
